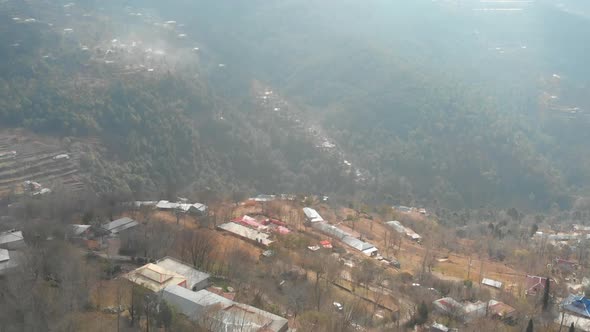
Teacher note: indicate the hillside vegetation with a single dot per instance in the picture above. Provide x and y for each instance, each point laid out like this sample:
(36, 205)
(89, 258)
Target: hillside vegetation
(425, 106)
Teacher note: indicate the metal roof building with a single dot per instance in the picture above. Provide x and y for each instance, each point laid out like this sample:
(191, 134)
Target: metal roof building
(192, 304)
(155, 278)
(184, 207)
(491, 283)
(247, 233)
(312, 215)
(362, 246)
(330, 230)
(9, 260)
(195, 279)
(119, 225)
(12, 240)
(578, 305)
(221, 314)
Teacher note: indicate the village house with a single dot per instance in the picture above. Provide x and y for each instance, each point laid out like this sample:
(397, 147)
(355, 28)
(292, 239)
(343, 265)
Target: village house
(461, 311)
(120, 225)
(220, 314)
(252, 235)
(197, 209)
(575, 309)
(346, 238)
(491, 283)
(312, 215)
(534, 285)
(263, 198)
(195, 279)
(398, 227)
(183, 288)
(501, 311)
(12, 240)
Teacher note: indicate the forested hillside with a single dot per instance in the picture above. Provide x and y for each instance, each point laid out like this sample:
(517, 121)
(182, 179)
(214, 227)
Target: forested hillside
(163, 128)
(441, 103)
(453, 109)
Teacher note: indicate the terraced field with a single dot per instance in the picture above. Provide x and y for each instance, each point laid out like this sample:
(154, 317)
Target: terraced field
(26, 157)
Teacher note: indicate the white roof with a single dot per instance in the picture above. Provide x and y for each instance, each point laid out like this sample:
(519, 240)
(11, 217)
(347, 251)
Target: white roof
(11, 237)
(193, 304)
(246, 233)
(312, 214)
(192, 275)
(166, 205)
(492, 283)
(154, 277)
(225, 315)
(79, 229)
(4, 255)
(119, 225)
(440, 327)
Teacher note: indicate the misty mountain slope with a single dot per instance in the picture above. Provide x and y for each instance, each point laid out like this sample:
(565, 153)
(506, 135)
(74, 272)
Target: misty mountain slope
(146, 96)
(439, 102)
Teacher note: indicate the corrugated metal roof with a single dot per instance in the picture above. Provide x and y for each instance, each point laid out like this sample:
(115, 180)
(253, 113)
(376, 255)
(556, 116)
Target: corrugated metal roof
(193, 304)
(492, 283)
(79, 229)
(12, 236)
(312, 214)
(330, 230)
(154, 277)
(357, 244)
(4, 255)
(119, 225)
(226, 315)
(246, 232)
(192, 275)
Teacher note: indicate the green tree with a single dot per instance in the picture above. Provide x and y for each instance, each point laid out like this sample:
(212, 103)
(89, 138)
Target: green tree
(546, 294)
(422, 313)
(165, 315)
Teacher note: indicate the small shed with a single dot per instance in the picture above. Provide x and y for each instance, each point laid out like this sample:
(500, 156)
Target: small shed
(492, 283)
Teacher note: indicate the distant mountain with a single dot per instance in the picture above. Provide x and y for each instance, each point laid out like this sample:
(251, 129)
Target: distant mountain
(434, 103)
(144, 89)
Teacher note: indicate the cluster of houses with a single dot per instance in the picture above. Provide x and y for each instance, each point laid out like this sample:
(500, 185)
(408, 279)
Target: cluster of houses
(11, 244)
(564, 238)
(187, 291)
(258, 229)
(269, 198)
(33, 188)
(398, 227)
(407, 209)
(318, 223)
(470, 311)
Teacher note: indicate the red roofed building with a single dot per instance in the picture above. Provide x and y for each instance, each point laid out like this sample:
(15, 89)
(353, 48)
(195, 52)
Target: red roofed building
(326, 244)
(534, 284)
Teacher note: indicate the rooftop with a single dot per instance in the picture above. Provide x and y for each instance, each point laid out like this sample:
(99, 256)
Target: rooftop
(312, 214)
(491, 283)
(246, 232)
(193, 276)
(11, 237)
(225, 315)
(4, 255)
(79, 229)
(120, 225)
(155, 278)
(578, 305)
